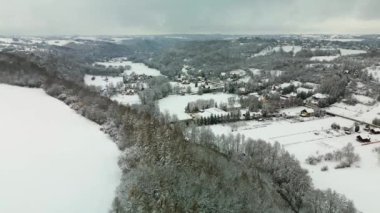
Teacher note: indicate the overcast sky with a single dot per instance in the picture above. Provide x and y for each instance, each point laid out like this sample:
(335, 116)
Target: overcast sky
(128, 17)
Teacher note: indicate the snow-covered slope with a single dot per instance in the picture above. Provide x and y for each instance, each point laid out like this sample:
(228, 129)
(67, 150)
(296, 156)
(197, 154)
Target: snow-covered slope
(52, 159)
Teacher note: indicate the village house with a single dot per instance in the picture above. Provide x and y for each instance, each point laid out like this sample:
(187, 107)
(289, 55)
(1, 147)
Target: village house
(307, 112)
(363, 139)
(375, 131)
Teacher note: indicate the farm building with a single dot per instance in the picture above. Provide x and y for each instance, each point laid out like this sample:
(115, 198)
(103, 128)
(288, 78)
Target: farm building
(307, 112)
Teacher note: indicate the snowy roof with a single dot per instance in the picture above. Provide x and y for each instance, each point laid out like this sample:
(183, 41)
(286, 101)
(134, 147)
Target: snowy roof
(284, 85)
(305, 90)
(320, 96)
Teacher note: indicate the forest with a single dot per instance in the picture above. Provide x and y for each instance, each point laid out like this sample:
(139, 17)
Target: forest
(165, 168)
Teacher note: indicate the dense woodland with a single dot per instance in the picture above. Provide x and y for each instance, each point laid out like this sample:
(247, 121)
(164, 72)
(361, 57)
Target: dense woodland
(168, 169)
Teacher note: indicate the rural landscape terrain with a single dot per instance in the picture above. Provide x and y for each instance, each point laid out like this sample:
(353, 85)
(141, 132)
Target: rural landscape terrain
(190, 123)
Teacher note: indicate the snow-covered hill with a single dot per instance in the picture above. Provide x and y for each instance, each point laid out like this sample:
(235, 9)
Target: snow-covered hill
(52, 159)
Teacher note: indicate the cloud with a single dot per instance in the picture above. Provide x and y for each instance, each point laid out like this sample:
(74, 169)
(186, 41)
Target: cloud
(102, 17)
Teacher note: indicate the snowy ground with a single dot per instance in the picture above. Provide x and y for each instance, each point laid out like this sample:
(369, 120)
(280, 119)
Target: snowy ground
(175, 104)
(137, 68)
(60, 42)
(324, 58)
(102, 81)
(126, 99)
(314, 136)
(359, 111)
(345, 52)
(52, 159)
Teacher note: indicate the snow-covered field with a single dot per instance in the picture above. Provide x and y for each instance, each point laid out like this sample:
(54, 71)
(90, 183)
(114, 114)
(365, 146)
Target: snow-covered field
(102, 81)
(302, 139)
(126, 99)
(175, 104)
(52, 159)
(60, 42)
(137, 68)
(345, 52)
(324, 58)
(359, 111)
(344, 39)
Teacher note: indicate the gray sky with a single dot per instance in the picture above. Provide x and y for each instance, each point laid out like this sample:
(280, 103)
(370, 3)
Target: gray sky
(128, 17)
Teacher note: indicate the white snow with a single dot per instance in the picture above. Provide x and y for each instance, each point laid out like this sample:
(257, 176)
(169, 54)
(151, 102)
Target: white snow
(359, 111)
(137, 68)
(6, 40)
(345, 52)
(126, 99)
(285, 48)
(344, 39)
(60, 42)
(324, 58)
(363, 99)
(51, 158)
(102, 81)
(175, 104)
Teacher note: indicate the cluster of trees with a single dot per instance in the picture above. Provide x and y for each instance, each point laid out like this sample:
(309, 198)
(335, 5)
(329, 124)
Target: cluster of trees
(334, 86)
(216, 119)
(308, 53)
(162, 171)
(200, 104)
(376, 121)
(290, 180)
(345, 157)
(158, 88)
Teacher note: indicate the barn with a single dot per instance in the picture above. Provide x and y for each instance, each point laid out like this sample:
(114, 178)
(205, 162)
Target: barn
(307, 113)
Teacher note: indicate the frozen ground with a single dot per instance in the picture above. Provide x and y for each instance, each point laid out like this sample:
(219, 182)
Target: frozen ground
(302, 139)
(175, 104)
(126, 99)
(61, 42)
(51, 158)
(102, 81)
(345, 52)
(359, 111)
(324, 58)
(137, 68)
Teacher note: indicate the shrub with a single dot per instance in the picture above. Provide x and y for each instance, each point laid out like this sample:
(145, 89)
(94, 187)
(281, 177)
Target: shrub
(376, 121)
(335, 126)
(314, 160)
